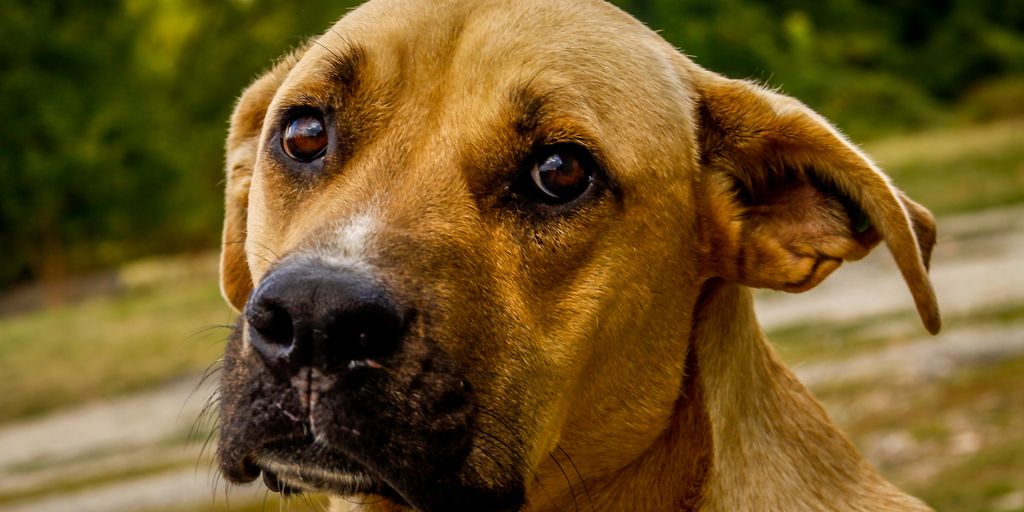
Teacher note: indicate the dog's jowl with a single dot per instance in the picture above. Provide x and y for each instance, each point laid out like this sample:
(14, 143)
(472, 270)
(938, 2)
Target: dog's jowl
(497, 255)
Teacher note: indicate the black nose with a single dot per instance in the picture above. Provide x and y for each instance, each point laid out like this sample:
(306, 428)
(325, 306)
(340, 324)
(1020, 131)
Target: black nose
(308, 314)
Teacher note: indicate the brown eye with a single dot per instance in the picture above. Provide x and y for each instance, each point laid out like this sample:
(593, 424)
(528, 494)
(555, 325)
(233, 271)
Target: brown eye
(305, 137)
(561, 175)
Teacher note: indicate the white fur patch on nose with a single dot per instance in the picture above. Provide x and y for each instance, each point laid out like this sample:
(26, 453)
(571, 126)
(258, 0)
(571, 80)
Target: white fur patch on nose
(354, 236)
(351, 243)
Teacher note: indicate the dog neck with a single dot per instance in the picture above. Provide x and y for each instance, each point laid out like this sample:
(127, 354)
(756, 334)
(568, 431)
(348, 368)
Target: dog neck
(762, 441)
(746, 434)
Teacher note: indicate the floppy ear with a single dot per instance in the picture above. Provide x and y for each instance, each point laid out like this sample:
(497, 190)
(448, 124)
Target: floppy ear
(242, 144)
(788, 198)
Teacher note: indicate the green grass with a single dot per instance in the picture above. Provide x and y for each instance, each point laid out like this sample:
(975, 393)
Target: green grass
(806, 343)
(151, 332)
(983, 400)
(958, 170)
(978, 482)
(87, 481)
(989, 394)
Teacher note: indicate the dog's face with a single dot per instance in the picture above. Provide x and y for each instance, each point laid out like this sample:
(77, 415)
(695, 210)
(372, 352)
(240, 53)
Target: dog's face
(464, 235)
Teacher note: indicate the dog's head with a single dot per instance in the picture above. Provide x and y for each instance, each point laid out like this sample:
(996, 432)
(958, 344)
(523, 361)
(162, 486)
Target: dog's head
(464, 235)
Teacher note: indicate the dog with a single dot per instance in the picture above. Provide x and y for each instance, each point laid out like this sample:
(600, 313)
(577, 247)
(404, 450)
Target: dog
(498, 255)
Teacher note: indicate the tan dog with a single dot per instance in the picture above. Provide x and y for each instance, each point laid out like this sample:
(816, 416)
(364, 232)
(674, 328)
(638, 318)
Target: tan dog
(495, 255)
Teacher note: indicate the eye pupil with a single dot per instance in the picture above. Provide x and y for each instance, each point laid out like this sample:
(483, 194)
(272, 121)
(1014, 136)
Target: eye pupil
(305, 138)
(561, 177)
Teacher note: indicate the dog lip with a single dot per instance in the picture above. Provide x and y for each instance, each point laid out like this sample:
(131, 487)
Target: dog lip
(312, 478)
(284, 466)
(274, 483)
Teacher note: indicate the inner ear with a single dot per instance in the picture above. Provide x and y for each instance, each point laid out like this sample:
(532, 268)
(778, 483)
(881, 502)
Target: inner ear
(807, 206)
(793, 230)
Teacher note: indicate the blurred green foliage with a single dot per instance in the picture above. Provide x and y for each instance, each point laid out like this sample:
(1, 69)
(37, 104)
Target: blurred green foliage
(115, 110)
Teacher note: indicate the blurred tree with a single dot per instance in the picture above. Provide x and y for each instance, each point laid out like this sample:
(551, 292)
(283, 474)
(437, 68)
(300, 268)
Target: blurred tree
(115, 117)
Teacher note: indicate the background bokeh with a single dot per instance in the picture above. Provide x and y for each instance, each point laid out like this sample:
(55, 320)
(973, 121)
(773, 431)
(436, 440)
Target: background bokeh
(112, 120)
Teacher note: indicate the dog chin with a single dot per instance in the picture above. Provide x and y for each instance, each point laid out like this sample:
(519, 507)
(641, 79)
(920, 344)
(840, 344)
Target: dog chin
(292, 468)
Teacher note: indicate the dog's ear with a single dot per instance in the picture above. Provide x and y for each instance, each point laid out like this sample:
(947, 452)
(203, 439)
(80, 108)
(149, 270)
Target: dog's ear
(243, 141)
(788, 198)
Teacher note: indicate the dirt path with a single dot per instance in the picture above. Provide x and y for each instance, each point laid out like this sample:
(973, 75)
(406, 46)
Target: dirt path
(121, 424)
(938, 357)
(979, 263)
(165, 490)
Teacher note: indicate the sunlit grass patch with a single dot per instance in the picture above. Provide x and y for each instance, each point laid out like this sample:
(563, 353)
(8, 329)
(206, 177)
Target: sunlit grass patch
(963, 169)
(982, 481)
(815, 342)
(92, 480)
(957, 442)
(162, 325)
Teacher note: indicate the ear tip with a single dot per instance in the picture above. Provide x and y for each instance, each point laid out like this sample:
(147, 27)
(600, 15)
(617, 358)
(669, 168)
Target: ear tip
(931, 318)
(927, 307)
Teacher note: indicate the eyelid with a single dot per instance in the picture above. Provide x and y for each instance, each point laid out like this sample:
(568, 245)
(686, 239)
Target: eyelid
(571, 138)
(565, 140)
(288, 113)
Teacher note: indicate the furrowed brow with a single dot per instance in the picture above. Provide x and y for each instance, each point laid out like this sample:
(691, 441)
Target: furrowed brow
(551, 116)
(337, 79)
(343, 67)
(528, 109)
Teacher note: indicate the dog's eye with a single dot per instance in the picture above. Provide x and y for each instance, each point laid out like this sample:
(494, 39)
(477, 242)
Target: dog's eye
(305, 137)
(561, 174)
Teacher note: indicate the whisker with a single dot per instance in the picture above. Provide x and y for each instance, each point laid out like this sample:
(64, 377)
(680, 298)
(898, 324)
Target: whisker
(533, 473)
(267, 248)
(578, 475)
(336, 56)
(260, 256)
(510, 452)
(502, 421)
(207, 443)
(352, 500)
(254, 253)
(206, 413)
(210, 370)
(204, 330)
(572, 491)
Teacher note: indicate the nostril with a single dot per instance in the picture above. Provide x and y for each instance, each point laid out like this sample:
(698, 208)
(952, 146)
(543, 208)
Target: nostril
(273, 323)
(368, 332)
